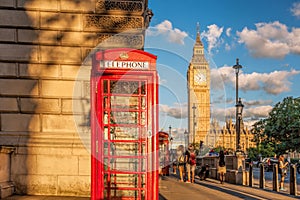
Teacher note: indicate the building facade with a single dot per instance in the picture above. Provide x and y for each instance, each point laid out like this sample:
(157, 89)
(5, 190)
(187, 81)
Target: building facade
(225, 136)
(44, 85)
(198, 78)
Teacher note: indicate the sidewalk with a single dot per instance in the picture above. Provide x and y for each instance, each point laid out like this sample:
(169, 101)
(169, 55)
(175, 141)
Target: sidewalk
(18, 197)
(171, 189)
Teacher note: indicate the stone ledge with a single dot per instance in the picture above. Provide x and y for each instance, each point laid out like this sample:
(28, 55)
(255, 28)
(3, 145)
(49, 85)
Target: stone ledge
(7, 149)
(6, 189)
(8, 3)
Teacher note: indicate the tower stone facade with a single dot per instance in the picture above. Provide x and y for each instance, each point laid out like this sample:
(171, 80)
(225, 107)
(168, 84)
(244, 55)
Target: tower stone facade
(44, 103)
(198, 76)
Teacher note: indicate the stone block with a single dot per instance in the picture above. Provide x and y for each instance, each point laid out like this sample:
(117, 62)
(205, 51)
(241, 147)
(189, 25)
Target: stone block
(8, 105)
(63, 89)
(4, 167)
(80, 73)
(43, 143)
(41, 149)
(59, 123)
(6, 186)
(8, 69)
(18, 87)
(19, 18)
(23, 164)
(85, 165)
(8, 35)
(61, 54)
(61, 21)
(39, 70)
(8, 138)
(86, 39)
(20, 122)
(78, 6)
(26, 35)
(57, 165)
(35, 105)
(51, 5)
(35, 184)
(48, 37)
(74, 185)
(75, 106)
(15, 52)
(7, 3)
(81, 149)
(7, 189)
(69, 71)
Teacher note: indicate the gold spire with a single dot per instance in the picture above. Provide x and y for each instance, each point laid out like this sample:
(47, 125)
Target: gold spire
(198, 39)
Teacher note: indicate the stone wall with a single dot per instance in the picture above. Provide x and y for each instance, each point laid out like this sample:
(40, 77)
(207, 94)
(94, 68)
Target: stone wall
(44, 84)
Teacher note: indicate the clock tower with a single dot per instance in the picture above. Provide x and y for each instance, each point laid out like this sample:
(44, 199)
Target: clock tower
(198, 76)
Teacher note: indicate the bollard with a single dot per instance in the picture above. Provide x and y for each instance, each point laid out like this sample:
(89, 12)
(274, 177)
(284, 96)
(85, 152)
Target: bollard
(293, 180)
(275, 178)
(261, 176)
(251, 175)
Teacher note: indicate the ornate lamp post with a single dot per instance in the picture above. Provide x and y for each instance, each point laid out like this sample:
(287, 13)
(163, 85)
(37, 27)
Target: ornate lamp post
(239, 108)
(171, 140)
(237, 68)
(186, 138)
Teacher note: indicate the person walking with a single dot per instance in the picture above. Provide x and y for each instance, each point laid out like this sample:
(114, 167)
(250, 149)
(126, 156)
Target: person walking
(180, 162)
(222, 166)
(190, 159)
(282, 170)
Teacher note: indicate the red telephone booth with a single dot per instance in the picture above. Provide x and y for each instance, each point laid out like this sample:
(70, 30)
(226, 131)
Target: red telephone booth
(164, 154)
(124, 120)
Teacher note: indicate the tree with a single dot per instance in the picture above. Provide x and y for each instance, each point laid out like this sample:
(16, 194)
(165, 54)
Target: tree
(281, 130)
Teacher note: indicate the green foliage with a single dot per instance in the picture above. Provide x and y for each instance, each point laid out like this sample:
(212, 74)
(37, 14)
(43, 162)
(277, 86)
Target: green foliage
(280, 132)
(252, 153)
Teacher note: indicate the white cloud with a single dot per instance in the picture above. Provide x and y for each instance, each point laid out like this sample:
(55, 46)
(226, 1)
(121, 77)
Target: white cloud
(296, 9)
(172, 35)
(179, 111)
(271, 40)
(250, 114)
(227, 47)
(228, 32)
(257, 102)
(257, 112)
(272, 83)
(213, 36)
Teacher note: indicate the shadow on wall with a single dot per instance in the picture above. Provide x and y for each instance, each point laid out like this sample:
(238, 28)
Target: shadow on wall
(45, 45)
(37, 77)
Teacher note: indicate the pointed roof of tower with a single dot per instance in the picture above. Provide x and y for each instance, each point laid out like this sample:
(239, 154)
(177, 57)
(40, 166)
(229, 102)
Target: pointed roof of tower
(198, 38)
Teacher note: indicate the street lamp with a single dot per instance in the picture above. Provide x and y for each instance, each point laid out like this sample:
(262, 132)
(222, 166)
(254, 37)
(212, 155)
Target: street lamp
(237, 68)
(171, 140)
(239, 109)
(194, 123)
(186, 138)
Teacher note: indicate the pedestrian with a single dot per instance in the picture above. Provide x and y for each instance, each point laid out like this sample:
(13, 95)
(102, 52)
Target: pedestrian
(222, 166)
(180, 162)
(282, 170)
(190, 159)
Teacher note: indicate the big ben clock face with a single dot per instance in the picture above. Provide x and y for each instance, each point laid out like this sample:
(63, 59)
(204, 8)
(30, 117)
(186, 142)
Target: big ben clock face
(200, 78)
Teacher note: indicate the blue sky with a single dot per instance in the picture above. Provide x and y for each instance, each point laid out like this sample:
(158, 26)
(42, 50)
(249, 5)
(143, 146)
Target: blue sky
(264, 35)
